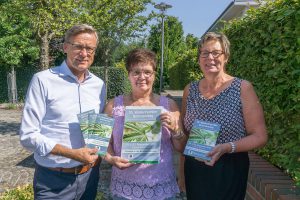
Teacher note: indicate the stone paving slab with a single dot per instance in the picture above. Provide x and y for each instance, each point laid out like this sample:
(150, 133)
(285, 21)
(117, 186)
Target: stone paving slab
(17, 164)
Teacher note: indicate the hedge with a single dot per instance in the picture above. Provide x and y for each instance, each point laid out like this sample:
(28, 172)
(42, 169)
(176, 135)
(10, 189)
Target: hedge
(185, 70)
(23, 78)
(117, 81)
(265, 47)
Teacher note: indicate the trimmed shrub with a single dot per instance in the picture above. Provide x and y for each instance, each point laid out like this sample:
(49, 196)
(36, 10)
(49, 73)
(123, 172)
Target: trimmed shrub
(185, 70)
(266, 51)
(117, 81)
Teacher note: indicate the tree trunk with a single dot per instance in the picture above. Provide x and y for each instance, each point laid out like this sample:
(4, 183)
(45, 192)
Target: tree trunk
(44, 51)
(12, 86)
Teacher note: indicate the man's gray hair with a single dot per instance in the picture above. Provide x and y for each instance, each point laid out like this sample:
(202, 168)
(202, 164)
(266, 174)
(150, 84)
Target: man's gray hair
(78, 29)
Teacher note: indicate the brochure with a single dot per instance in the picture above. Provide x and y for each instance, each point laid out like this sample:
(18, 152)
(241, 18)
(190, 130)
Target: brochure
(142, 134)
(202, 139)
(96, 130)
(83, 119)
(91, 123)
(100, 132)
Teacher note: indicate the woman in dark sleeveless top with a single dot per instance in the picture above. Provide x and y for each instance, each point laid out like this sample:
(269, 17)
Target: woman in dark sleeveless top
(233, 104)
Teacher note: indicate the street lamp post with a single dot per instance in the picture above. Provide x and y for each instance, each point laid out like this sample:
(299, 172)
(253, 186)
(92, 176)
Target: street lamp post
(162, 7)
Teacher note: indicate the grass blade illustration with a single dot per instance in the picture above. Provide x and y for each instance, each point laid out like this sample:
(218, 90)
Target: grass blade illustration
(142, 134)
(202, 139)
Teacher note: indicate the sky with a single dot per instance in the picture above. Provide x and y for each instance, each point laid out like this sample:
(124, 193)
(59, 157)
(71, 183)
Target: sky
(196, 15)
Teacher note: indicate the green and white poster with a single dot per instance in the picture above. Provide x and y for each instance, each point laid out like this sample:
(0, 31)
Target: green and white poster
(142, 134)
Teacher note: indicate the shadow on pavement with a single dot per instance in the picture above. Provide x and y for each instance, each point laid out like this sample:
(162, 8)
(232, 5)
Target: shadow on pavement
(27, 162)
(9, 127)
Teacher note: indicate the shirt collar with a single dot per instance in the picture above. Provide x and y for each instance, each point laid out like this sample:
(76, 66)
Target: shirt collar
(64, 70)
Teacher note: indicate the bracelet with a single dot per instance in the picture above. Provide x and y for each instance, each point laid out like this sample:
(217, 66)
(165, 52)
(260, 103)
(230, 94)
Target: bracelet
(178, 134)
(233, 147)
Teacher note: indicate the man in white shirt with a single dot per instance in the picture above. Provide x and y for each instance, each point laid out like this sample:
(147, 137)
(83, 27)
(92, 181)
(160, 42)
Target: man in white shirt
(65, 168)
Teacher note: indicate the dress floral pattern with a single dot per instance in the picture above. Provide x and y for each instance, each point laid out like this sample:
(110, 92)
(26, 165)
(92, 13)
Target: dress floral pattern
(143, 181)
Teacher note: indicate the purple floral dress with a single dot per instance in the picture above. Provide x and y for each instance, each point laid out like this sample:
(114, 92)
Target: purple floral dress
(143, 181)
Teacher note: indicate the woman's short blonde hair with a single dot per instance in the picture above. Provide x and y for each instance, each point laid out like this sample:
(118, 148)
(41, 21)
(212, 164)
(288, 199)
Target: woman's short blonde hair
(220, 37)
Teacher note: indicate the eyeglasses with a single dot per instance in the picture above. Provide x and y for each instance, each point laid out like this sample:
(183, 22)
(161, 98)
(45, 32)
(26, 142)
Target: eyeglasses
(137, 73)
(215, 54)
(79, 48)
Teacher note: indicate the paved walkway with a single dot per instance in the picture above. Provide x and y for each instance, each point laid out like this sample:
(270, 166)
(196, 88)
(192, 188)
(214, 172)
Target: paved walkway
(17, 164)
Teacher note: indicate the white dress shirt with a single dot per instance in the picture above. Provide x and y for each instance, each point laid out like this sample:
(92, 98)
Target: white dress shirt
(53, 100)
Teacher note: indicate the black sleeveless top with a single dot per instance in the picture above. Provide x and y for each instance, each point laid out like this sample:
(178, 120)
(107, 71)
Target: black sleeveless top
(224, 109)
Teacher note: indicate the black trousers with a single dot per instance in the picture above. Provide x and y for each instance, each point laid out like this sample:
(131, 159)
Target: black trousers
(226, 180)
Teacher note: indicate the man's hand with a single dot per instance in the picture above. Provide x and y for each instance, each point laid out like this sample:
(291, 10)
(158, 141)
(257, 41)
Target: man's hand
(86, 155)
(83, 155)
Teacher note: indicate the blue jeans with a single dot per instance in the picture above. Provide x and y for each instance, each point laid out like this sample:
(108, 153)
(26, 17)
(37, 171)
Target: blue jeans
(49, 184)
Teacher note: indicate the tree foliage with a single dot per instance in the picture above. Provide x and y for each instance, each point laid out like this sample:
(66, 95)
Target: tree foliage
(32, 30)
(47, 19)
(120, 54)
(115, 20)
(191, 41)
(173, 45)
(187, 68)
(17, 44)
